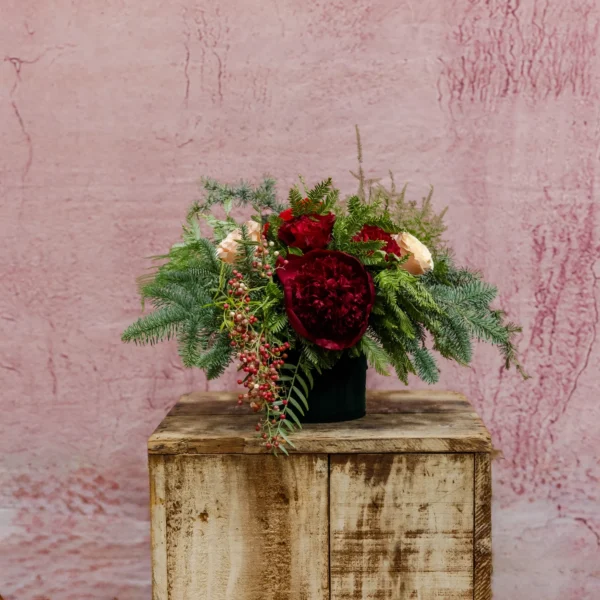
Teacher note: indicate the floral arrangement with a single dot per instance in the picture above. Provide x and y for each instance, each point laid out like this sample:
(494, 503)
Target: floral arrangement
(288, 292)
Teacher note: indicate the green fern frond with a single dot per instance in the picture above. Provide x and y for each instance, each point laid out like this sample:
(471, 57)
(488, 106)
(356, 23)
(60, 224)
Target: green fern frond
(376, 355)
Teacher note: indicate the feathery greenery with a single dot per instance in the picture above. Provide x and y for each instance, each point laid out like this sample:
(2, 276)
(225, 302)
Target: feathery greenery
(420, 219)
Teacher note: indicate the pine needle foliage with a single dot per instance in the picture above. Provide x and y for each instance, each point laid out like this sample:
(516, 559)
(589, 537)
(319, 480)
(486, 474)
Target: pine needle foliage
(182, 292)
(466, 300)
(261, 197)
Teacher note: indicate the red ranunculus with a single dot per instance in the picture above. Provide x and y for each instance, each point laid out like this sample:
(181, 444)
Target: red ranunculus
(371, 233)
(328, 297)
(307, 232)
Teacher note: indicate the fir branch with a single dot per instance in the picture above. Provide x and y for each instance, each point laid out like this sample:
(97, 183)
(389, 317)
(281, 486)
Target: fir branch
(261, 197)
(160, 325)
(425, 365)
(216, 358)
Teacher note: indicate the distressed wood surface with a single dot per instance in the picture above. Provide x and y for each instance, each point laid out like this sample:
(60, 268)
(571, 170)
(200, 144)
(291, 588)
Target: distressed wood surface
(404, 421)
(378, 402)
(245, 528)
(402, 527)
(158, 523)
(482, 546)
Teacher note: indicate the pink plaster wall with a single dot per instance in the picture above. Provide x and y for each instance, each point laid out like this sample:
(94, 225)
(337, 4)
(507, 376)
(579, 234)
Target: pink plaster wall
(111, 109)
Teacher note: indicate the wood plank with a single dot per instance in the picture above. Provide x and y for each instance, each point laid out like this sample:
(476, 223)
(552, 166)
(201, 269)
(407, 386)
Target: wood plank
(401, 527)
(247, 527)
(448, 431)
(378, 402)
(483, 528)
(158, 522)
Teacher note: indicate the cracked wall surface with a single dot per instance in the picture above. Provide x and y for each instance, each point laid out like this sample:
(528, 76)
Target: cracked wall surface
(110, 111)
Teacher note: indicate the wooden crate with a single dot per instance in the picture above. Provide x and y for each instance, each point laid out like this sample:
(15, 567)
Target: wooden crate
(393, 506)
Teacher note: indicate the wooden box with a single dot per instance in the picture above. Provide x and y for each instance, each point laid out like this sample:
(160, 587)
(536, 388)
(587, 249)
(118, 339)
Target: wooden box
(392, 506)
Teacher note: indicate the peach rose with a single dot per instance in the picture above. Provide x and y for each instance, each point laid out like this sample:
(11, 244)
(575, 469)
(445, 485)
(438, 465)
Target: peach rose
(420, 260)
(227, 249)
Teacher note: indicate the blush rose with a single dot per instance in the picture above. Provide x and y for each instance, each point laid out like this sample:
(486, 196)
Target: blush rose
(420, 260)
(227, 249)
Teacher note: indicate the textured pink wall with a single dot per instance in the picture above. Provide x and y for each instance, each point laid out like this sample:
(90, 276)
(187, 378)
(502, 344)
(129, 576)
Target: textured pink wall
(110, 110)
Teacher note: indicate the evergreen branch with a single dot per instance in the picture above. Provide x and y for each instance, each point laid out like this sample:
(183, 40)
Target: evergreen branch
(425, 365)
(261, 198)
(376, 355)
(160, 325)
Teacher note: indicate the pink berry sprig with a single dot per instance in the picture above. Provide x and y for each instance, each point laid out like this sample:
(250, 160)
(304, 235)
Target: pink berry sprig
(262, 374)
(265, 255)
(240, 322)
(260, 360)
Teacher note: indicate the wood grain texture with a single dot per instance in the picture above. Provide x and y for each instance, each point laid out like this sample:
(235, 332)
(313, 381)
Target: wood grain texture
(482, 546)
(205, 423)
(246, 528)
(158, 523)
(401, 527)
(378, 402)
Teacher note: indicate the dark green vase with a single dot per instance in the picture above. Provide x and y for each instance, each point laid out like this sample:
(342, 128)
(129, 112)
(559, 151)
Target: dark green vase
(339, 394)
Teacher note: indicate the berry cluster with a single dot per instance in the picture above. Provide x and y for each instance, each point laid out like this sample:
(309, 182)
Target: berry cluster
(263, 372)
(259, 359)
(265, 254)
(239, 320)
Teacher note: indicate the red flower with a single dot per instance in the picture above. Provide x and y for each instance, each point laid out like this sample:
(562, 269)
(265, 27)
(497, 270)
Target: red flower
(371, 233)
(328, 297)
(307, 232)
(287, 215)
(266, 228)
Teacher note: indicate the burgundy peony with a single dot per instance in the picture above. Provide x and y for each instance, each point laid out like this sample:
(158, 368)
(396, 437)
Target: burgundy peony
(307, 232)
(371, 233)
(328, 297)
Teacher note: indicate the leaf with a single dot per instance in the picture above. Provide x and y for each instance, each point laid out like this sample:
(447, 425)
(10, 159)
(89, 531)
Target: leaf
(310, 355)
(301, 396)
(294, 196)
(289, 425)
(277, 323)
(376, 355)
(295, 251)
(302, 383)
(294, 417)
(274, 290)
(296, 405)
(286, 438)
(320, 190)
(283, 449)
(309, 376)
